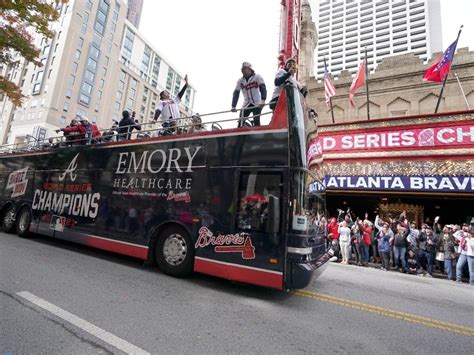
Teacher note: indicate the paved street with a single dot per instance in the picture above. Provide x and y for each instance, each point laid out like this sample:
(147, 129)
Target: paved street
(58, 297)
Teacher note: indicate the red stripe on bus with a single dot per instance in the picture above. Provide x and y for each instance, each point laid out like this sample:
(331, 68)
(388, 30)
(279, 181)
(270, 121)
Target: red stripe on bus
(239, 273)
(136, 251)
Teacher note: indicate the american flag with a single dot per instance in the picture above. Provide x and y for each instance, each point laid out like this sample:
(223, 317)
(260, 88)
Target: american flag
(329, 89)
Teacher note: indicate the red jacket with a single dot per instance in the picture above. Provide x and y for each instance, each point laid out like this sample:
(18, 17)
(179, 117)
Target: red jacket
(366, 235)
(95, 131)
(333, 230)
(82, 130)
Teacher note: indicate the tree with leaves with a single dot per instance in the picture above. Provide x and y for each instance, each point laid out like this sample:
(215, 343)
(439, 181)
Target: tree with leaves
(19, 21)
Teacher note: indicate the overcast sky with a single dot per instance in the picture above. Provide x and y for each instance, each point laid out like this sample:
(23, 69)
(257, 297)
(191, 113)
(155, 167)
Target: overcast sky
(209, 39)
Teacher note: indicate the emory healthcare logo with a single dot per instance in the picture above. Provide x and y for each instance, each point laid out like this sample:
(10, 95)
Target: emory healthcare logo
(70, 170)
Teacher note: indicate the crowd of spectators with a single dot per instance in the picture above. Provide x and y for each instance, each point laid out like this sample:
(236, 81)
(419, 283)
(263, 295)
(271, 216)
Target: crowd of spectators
(399, 244)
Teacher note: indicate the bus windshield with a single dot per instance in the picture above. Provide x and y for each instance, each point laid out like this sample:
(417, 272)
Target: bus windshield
(308, 207)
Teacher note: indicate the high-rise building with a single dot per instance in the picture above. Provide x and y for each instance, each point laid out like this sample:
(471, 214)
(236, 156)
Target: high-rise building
(97, 65)
(347, 27)
(134, 11)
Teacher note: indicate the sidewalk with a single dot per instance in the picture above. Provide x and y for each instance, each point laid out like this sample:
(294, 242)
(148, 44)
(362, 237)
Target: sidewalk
(436, 273)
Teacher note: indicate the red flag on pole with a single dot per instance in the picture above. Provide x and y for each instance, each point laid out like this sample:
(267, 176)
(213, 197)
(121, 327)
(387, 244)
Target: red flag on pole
(438, 71)
(359, 81)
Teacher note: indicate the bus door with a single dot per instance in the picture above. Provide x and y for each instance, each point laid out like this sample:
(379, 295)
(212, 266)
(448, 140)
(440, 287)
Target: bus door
(259, 217)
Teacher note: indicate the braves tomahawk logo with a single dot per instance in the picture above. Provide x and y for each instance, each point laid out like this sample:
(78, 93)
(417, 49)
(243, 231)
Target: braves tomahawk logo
(70, 170)
(228, 243)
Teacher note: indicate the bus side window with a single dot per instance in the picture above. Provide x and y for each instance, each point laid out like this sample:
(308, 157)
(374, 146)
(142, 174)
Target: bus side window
(255, 190)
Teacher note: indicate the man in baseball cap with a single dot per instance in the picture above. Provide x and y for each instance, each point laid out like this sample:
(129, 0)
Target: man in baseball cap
(254, 91)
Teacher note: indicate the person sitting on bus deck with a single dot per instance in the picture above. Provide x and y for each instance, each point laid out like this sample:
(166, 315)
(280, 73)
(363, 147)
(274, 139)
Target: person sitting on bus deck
(126, 126)
(197, 124)
(283, 76)
(89, 131)
(254, 90)
(72, 133)
(169, 107)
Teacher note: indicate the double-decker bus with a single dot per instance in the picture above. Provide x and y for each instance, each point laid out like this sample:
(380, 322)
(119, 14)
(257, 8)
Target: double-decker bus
(232, 203)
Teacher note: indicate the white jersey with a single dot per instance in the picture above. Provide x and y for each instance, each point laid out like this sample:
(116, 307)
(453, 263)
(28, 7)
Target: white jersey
(291, 79)
(169, 108)
(251, 89)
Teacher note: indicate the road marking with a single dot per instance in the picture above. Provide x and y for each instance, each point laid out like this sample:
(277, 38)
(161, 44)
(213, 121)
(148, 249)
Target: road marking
(407, 317)
(90, 328)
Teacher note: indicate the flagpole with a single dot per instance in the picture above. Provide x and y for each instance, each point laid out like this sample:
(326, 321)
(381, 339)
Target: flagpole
(446, 77)
(463, 94)
(330, 98)
(367, 83)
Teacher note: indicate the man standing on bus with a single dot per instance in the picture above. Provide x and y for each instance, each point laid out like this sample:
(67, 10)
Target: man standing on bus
(254, 91)
(169, 106)
(283, 76)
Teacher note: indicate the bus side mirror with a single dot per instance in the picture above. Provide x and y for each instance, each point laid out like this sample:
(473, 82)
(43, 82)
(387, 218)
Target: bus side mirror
(273, 216)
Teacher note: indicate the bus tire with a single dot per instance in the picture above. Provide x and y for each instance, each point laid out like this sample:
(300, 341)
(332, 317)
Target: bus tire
(23, 222)
(7, 221)
(174, 252)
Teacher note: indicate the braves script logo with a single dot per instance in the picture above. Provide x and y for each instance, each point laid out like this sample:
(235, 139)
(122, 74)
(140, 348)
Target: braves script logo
(70, 170)
(229, 243)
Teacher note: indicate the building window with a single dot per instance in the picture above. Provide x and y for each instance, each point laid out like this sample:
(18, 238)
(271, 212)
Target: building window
(74, 67)
(68, 93)
(96, 39)
(81, 42)
(36, 89)
(89, 76)
(87, 88)
(77, 55)
(94, 52)
(119, 95)
(83, 98)
(39, 76)
(72, 79)
(169, 79)
(91, 63)
(66, 107)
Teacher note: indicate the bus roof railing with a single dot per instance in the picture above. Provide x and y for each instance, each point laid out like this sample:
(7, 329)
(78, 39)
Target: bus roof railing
(149, 130)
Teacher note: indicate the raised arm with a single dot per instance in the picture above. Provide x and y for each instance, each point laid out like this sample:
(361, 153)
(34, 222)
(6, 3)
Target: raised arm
(183, 90)
(377, 224)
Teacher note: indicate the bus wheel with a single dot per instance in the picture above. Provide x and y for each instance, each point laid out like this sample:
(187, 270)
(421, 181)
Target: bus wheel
(8, 220)
(175, 252)
(23, 222)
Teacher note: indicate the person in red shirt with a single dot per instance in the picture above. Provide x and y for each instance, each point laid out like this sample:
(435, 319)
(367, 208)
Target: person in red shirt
(366, 240)
(333, 229)
(89, 131)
